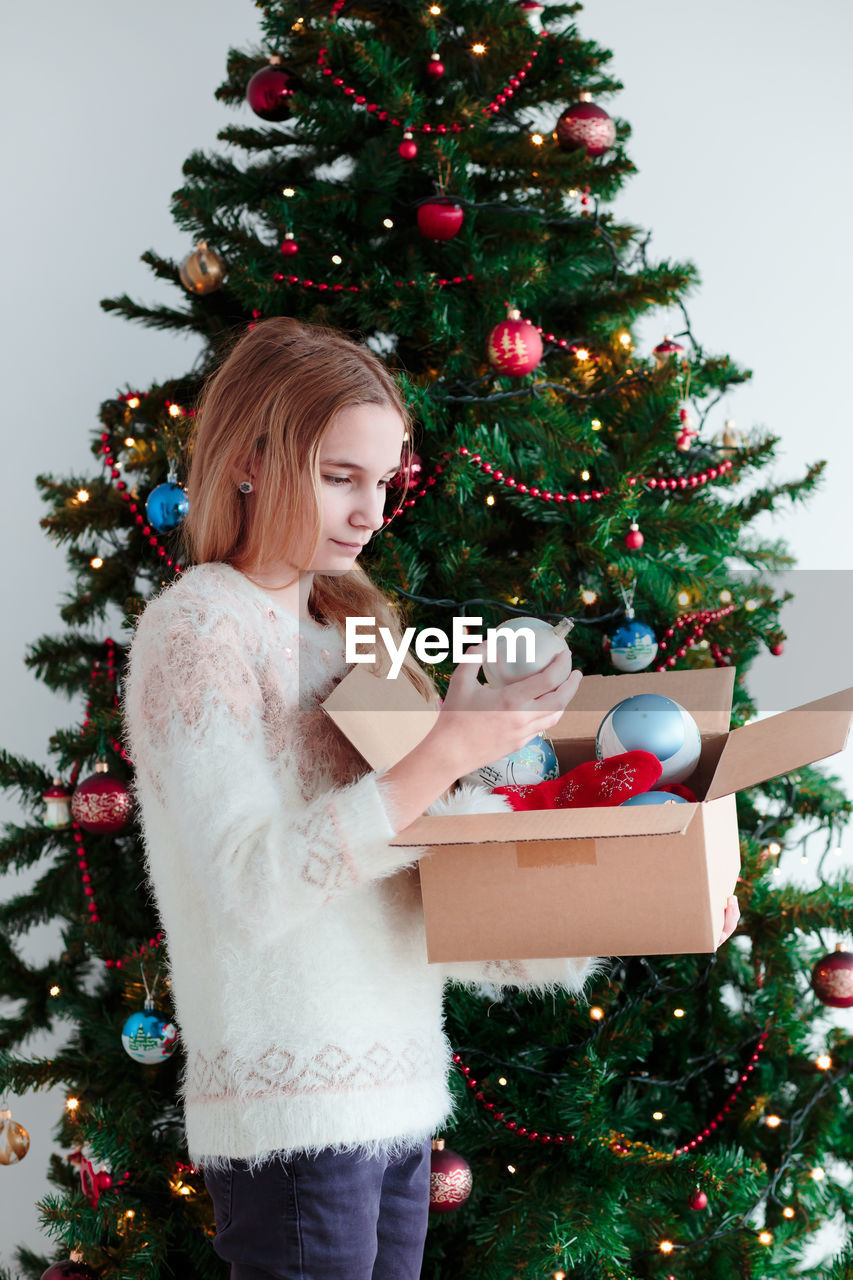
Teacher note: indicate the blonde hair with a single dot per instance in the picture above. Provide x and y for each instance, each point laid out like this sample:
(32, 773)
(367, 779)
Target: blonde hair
(277, 393)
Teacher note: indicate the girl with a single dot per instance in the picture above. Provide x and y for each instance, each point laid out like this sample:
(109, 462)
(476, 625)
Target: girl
(311, 1022)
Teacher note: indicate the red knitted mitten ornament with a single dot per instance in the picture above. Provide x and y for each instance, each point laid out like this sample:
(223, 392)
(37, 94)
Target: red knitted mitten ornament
(590, 785)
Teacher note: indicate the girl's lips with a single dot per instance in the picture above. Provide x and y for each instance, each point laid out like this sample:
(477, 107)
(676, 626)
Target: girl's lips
(350, 546)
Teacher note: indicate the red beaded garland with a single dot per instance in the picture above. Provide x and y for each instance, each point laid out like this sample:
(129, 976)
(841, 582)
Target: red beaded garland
(622, 1147)
(454, 127)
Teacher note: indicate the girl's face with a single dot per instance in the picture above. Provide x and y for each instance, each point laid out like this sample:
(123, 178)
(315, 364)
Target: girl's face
(359, 454)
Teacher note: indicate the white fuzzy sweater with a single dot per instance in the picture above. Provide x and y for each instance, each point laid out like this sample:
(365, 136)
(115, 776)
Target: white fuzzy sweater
(308, 1012)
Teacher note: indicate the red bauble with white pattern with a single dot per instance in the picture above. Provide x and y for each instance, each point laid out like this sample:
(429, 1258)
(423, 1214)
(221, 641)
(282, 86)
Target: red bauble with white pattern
(450, 1179)
(832, 979)
(515, 347)
(440, 219)
(584, 125)
(101, 804)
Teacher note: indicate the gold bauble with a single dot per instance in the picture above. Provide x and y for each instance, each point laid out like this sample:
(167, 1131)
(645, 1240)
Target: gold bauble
(14, 1139)
(202, 271)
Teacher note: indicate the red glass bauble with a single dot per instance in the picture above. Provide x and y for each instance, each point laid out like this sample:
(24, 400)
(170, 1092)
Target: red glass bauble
(832, 979)
(407, 473)
(440, 219)
(289, 246)
(270, 92)
(634, 540)
(435, 67)
(698, 1200)
(101, 804)
(450, 1179)
(584, 125)
(515, 347)
(68, 1271)
(777, 649)
(408, 148)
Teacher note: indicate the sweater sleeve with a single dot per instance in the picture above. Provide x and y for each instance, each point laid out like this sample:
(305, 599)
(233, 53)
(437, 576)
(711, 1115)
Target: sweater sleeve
(205, 782)
(566, 974)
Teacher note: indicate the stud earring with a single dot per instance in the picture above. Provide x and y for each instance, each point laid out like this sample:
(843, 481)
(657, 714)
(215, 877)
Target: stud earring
(245, 486)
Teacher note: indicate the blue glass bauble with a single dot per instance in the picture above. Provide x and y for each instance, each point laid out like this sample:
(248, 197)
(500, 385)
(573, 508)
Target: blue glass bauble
(167, 506)
(536, 761)
(633, 646)
(651, 722)
(148, 1036)
(654, 797)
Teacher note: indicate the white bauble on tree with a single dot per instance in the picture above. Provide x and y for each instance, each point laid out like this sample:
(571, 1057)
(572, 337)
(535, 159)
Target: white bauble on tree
(548, 641)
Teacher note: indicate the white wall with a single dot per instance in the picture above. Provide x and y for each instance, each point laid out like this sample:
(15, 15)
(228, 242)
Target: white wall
(742, 119)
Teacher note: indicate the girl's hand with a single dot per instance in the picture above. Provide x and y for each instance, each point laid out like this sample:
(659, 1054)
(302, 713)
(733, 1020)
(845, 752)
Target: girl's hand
(730, 920)
(481, 724)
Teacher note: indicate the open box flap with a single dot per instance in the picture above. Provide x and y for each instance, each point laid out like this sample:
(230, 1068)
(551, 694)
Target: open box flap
(548, 824)
(706, 693)
(383, 719)
(775, 746)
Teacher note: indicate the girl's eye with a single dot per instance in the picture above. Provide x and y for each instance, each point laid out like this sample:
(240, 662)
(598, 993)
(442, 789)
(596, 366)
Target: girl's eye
(338, 480)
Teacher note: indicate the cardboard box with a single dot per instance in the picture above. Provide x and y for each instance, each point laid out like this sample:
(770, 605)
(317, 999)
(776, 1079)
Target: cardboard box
(645, 880)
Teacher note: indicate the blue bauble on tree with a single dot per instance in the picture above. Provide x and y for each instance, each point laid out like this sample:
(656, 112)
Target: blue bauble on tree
(633, 645)
(651, 722)
(167, 506)
(149, 1037)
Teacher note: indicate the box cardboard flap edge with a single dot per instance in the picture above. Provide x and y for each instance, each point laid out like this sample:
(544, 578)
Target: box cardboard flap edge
(778, 744)
(383, 719)
(547, 824)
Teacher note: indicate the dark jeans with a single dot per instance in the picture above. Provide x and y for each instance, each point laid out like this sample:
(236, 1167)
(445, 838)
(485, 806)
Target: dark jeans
(323, 1217)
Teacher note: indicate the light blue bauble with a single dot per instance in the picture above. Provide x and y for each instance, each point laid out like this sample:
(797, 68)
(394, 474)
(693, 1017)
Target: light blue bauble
(167, 507)
(149, 1037)
(535, 762)
(653, 797)
(651, 722)
(633, 646)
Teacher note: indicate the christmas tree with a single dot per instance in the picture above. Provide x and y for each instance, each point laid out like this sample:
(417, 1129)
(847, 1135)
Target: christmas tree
(417, 175)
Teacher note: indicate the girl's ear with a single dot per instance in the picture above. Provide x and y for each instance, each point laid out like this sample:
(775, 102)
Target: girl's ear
(243, 470)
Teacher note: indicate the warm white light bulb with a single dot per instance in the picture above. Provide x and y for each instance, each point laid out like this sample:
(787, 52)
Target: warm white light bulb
(490, 501)
(657, 1115)
(82, 495)
(684, 597)
(678, 1013)
(823, 1062)
(337, 259)
(773, 1121)
(96, 562)
(511, 1168)
(818, 1174)
(764, 1237)
(582, 353)
(589, 597)
(725, 596)
(129, 442)
(596, 1014)
(751, 606)
(54, 991)
(666, 1246)
(288, 191)
(388, 222)
(787, 1212)
(596, 424)
(478, 48)
(537, 139)
(502, 1080)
